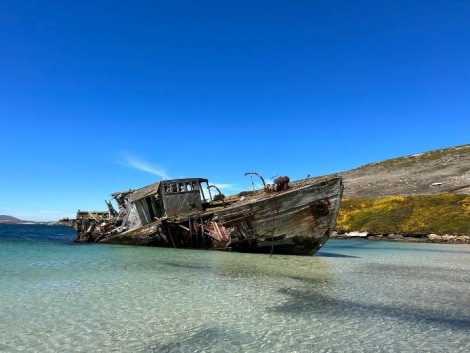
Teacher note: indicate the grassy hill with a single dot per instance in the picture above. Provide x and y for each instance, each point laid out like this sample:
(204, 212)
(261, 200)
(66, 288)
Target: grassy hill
(419, 194)
(418, 214)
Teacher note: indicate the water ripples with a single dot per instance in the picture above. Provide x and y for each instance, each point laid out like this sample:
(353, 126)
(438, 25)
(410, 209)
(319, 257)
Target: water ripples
(367, 297)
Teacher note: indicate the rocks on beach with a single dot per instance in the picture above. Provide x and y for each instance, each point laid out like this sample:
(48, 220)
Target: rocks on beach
(412, 238)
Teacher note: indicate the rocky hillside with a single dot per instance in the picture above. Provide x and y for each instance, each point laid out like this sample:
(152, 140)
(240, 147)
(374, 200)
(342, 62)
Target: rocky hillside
(423, 197)
(435, 172)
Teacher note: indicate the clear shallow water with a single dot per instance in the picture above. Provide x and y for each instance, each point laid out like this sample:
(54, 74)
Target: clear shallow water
(353, 296)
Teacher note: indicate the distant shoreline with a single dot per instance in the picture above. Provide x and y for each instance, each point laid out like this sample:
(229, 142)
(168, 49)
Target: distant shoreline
(33, 223)
(406, 238)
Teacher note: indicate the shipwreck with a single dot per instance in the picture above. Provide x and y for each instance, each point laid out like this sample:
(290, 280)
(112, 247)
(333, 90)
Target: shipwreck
(282, 218)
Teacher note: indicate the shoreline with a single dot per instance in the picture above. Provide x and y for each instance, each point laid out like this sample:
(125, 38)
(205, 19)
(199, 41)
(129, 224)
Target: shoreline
(406, 238)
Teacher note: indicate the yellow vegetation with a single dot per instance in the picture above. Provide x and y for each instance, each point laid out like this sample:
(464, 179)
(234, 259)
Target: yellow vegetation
(418, 214)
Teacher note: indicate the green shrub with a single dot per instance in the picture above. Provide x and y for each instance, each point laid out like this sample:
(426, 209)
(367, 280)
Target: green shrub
(418, 214)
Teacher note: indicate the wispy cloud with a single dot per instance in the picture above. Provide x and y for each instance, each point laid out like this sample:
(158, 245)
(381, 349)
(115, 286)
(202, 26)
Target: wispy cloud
(143, 165)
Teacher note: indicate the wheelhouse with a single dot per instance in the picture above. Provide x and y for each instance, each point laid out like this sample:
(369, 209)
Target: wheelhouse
(182, 196)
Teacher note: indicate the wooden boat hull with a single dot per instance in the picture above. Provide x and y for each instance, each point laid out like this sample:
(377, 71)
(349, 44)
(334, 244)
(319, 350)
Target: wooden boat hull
(297, 221)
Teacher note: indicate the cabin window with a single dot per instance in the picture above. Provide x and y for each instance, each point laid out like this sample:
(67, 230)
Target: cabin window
(182, 186)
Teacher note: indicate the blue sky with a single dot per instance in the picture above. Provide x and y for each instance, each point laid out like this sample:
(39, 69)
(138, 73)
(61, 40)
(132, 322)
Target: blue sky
(101, 96)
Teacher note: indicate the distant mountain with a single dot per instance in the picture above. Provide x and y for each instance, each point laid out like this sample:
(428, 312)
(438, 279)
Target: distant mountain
(5, 218)
(429, 173)
(12, 220)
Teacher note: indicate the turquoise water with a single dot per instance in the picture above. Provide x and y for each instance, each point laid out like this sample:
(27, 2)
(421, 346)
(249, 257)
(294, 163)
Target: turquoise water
(353, 296)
